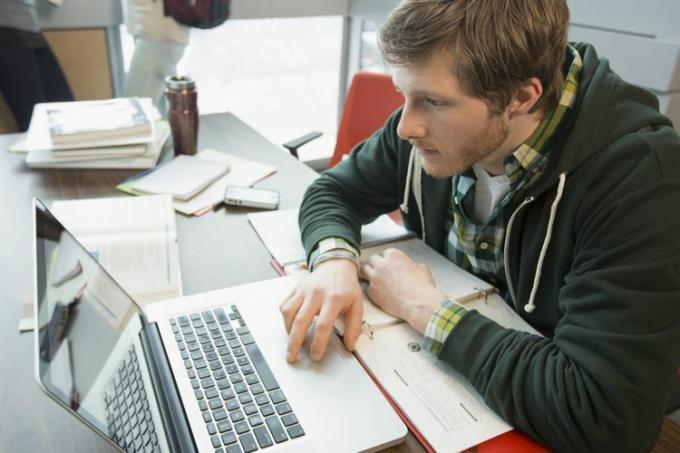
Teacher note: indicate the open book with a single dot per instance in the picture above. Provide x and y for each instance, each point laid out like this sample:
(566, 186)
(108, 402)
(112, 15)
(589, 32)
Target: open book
(441, 408)
(134, 239)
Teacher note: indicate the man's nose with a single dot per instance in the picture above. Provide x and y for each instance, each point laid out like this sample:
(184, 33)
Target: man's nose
(411, 124)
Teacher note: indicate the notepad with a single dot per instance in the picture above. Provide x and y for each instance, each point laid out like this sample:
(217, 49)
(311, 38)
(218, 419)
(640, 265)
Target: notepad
(183, 177)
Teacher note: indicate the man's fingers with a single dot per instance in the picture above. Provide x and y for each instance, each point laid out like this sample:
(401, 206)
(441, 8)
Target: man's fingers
(323, 329)
(289, 309)
(353, 319)
(300, 325)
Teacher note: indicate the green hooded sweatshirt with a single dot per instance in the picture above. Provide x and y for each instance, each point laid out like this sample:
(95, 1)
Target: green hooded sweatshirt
(608, 293)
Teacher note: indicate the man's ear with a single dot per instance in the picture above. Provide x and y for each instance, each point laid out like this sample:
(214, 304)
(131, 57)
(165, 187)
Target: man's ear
(525, 97)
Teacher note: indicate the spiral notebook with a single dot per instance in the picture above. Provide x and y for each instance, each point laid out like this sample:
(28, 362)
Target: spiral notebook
(280, 233)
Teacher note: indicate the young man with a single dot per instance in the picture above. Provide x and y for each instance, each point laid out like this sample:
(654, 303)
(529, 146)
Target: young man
(528, 162)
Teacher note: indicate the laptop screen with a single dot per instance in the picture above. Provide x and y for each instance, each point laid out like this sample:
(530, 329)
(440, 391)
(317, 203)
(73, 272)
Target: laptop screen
(86, 324)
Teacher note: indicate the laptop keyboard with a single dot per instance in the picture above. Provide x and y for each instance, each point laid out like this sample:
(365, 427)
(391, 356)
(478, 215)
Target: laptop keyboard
(127, 408)
(243, 407)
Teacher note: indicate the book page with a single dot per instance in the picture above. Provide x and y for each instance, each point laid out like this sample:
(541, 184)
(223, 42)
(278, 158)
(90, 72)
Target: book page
(119, 215)
(133, 238)
(141, 263)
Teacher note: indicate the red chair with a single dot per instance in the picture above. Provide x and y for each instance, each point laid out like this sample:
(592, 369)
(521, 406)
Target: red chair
(370, 101)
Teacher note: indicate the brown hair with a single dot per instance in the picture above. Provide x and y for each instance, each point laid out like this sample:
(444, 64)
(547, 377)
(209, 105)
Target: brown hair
(496, 44)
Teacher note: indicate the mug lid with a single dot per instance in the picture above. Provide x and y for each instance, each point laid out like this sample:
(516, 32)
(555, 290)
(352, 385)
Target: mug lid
(178, 82)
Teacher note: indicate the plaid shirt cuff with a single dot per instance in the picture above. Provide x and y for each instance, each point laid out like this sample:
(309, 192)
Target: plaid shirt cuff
(328, 248)
(442, 322)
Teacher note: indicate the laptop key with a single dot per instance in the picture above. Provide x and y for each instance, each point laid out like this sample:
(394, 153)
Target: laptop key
(221, 316)
(277, 396)
(215, 403)
(211, 393)
(260, 364)
(241, 427)
(255, 420)
(283, 408)
(183, 321)
(252, 379)
(195, 316)
(223, 384)
(224, 426)
(250, 409)
(262, 436)
(211, 428)
(208, 316)
(289, 419)
(216, 441)
(267, 410)
(219, 415)
(232, 405)
(248, 443)
(236, 416)
(247, 339)
(227, 394)
(277, 429)
(235, 448)
(229, 438)
(295, 431)
(261, 399)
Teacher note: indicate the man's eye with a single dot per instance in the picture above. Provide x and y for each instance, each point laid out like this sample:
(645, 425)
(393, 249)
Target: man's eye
(433, 102)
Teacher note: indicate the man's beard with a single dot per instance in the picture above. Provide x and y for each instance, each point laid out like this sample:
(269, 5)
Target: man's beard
(469, 152)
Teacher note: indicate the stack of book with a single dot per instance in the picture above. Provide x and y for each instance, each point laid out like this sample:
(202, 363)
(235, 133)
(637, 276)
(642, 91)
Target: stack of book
(110, 133)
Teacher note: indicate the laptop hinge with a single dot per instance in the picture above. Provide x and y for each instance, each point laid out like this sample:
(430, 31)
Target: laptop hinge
(172, 412)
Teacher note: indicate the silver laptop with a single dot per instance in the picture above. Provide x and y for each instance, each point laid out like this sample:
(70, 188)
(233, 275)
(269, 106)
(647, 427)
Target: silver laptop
(200, 373)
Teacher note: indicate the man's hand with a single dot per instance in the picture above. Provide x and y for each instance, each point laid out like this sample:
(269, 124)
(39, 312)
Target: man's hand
(402, 288)
(330, 291)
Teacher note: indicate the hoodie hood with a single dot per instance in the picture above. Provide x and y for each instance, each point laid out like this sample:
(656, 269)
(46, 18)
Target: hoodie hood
(606, 109)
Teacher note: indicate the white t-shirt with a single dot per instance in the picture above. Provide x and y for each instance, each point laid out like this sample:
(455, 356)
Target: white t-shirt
(489, 191)
(146, 19)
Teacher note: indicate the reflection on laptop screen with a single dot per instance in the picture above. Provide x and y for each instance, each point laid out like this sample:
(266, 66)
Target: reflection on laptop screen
(86, 323)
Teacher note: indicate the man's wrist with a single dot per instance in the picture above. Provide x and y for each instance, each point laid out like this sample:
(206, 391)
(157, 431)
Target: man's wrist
(333, 248)
(420, 312)
(335, 255)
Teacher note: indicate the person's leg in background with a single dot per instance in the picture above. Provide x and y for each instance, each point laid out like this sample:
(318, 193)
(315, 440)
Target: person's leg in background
(54, 83)
(30, 74)
(152, 61)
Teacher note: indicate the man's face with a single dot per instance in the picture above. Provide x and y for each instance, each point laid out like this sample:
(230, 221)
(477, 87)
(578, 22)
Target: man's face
(451, 130)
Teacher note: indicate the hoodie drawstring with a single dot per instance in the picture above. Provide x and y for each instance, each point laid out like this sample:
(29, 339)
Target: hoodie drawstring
(407, 189)
(414, 181)
(531, 306)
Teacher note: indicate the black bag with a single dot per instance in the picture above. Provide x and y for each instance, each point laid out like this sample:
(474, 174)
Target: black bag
(198, 13)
